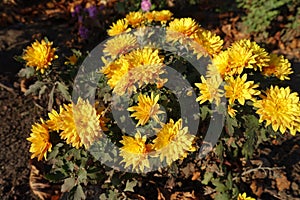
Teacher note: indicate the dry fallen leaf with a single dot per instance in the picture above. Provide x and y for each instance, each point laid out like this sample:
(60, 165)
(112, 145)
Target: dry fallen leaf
(256, 188)
(282, 183)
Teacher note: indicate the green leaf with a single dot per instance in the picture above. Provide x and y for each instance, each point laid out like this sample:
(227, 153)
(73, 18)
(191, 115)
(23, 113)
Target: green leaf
(207, 178)
(130, 185)
(26, 72)
(34, 88)
(220, 187)
(222, 196)
(63, 89)
(231, 123)
(82, 175)
(79, 194)
(103, 196)
(69, 183)
(55, 177)
(113, 195)
(205, 111)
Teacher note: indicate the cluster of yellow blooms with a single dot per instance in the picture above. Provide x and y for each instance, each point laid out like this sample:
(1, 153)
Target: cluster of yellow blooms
(129, 67)
(79, 124)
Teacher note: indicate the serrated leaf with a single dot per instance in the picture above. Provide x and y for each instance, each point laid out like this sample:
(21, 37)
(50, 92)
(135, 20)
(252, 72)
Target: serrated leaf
(82, 175)
(207, 178)
(222, 196)
(26, 72)
(130, 185)
(79, 194)
(220, 187)
(63, 89)
(205, 111)
(231, 123)
(103, 197)
(34, 88)
(113, 195)
(69, 183)
(55, 177)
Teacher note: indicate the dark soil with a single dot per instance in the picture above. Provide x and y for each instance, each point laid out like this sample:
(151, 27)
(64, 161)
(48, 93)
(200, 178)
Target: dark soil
(19, 112)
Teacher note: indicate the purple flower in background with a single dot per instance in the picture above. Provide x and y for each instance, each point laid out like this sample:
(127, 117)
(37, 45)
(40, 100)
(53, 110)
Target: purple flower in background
(92, 11)
(146, 5)
(77, 9)
(83, 32)
(80, 18)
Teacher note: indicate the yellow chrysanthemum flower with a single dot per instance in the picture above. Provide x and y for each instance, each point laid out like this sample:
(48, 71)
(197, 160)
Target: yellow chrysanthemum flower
(261, 57)
(39, 55)
(206, 41)
(120, 44)
(231, 112)
(72, 60)
(55, 121)
(210, 90)
(221, 65)
(40, 140)
(80, 124)
(173, 142)
(279, 67)
(141, 66)
(162, 16)
(280, 108)
(244, 197)
(135, 19)
(140, 76)
(240, 89)
(240, 57)
(135, 152)
(147, 108)
(149, 16)
(121, 26)
(180, 28)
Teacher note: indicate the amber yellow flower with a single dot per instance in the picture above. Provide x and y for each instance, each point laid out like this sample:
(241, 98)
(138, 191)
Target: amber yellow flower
(221, 65)
(279, 67)
(240, 89)
(141, 66)
(147, 108)
(178, 29)
(173, 142)
(80, 124)
(231, 111)
(260, 55)
(40, 140)
(210, 90)
(72, 60)
(244, 197)
(135, 152)
(55, 121)
(280, 108)
(119, 44)
(162, 16)
(119, 27)
(100, 111)
(39, 55)
(240, 57)
(206, 42)
(135, 19)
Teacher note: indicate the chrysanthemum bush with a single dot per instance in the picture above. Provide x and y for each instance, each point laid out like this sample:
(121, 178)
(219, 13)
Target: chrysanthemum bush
(163, 94)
